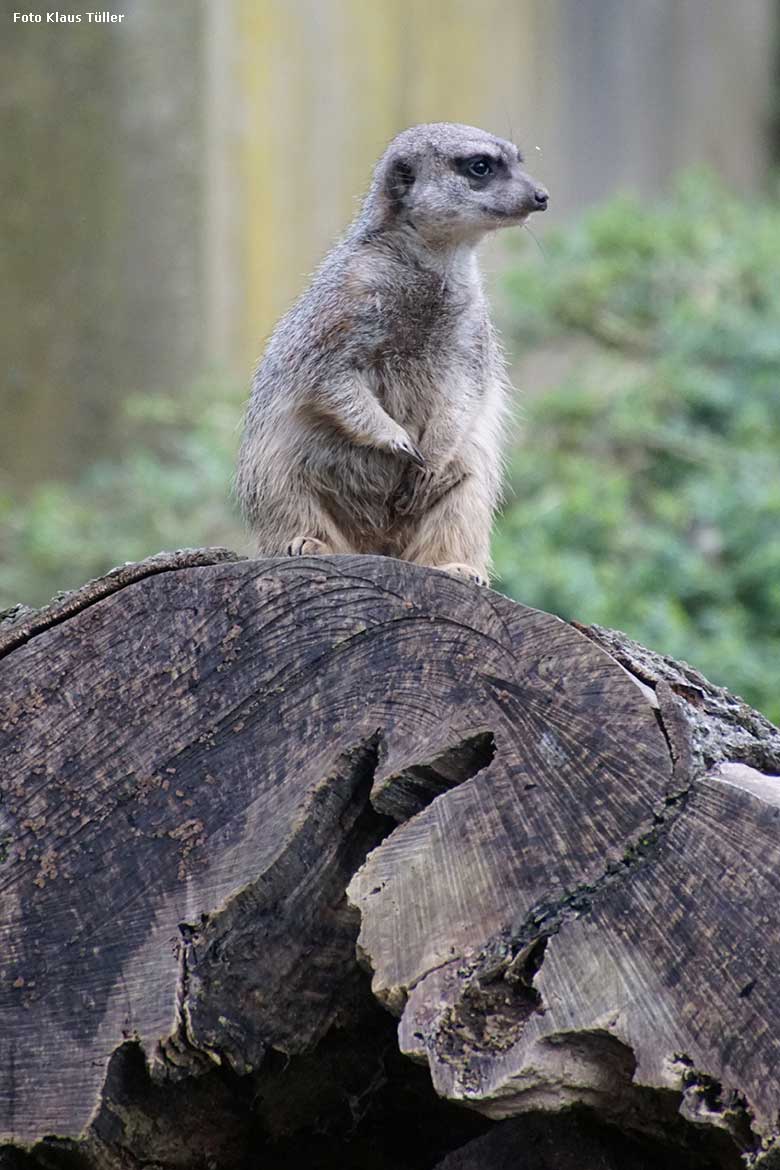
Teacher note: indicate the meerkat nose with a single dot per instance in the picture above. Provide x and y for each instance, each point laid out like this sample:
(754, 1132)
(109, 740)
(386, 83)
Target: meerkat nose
(540, 198)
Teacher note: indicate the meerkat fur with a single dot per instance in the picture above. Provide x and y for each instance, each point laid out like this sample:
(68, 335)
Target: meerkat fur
(377, 412)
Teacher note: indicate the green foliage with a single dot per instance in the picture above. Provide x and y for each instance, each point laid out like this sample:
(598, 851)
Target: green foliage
(168, 489)
(646, 491)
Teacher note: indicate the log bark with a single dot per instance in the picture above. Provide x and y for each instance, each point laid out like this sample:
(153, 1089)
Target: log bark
(270, 828)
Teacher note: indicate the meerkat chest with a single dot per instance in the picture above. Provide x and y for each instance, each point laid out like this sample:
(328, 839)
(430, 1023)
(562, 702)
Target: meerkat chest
(434, 391)
(417, 395)
(430, 355)
(427, 345)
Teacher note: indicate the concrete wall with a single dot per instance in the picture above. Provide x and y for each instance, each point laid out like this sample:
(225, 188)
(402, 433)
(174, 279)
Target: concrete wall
(169, 182)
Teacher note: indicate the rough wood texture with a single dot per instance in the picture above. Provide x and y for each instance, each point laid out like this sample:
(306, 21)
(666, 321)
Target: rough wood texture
(561, 853)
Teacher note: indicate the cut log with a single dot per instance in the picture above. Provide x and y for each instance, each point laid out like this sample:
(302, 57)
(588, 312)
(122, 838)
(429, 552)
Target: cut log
(236, 792)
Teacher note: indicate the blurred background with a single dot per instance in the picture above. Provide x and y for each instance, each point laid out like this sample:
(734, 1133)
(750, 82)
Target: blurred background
(169, 181)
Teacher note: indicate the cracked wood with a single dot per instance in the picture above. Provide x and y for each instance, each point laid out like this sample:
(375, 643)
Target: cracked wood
(560, 856)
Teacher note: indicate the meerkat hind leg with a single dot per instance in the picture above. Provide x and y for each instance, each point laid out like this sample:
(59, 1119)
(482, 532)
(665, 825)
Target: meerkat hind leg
(454, 535)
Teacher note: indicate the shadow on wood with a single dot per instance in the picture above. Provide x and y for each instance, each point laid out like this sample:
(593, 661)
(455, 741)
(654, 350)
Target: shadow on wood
(238, 797)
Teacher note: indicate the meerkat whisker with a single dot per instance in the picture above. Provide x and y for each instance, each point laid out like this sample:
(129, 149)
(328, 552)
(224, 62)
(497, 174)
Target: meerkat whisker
(536, 240)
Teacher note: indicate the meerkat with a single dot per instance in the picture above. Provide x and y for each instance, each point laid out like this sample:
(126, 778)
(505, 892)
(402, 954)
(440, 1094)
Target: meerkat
(376, 417)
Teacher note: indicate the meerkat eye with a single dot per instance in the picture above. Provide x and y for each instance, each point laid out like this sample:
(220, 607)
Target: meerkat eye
(480, 167)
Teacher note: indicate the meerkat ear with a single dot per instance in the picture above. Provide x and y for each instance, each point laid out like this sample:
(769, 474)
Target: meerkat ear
(399, 177)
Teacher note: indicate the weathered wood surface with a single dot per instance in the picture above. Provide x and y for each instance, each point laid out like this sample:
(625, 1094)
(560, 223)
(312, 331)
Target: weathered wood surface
(561, 852)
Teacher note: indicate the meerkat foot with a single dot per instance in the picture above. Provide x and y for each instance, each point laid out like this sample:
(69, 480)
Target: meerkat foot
(465, 572)
(307, 546)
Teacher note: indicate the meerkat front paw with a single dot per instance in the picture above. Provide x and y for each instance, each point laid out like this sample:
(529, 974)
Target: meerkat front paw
(307, 546)
(465, 572)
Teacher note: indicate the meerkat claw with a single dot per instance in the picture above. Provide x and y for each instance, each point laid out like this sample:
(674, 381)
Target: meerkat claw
(403, 445)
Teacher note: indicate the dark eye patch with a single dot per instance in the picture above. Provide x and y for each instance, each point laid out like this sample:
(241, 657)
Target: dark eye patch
(479, 167)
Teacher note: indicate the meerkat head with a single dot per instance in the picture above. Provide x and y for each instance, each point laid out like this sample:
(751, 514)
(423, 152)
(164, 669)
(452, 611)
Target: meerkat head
(454, 183)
